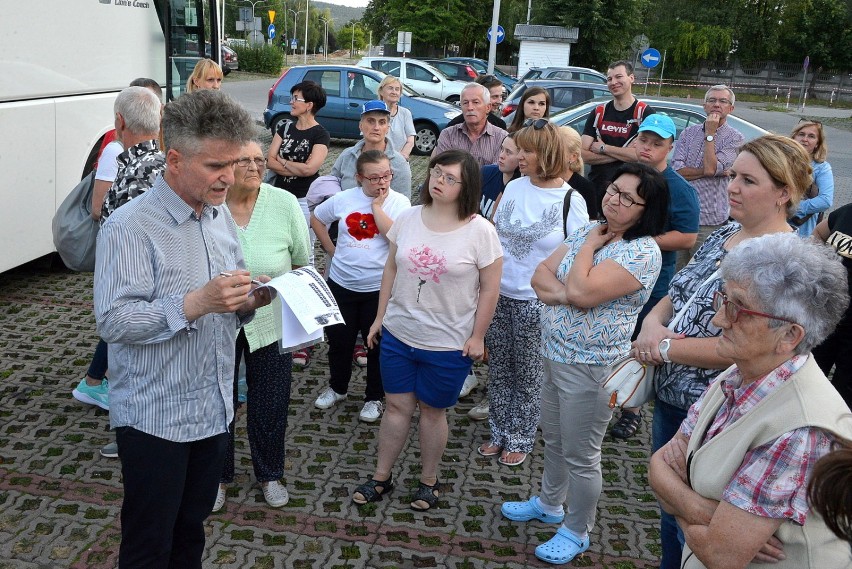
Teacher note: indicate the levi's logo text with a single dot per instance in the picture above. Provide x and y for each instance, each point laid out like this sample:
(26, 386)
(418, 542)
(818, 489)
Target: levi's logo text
(616, 130)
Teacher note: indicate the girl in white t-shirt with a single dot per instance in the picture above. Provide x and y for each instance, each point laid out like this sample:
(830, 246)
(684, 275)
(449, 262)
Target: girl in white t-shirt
(365, 213)
(439, 289)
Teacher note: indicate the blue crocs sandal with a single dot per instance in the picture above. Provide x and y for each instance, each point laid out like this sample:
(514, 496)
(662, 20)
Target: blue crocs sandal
(561, 548)
(529, 510)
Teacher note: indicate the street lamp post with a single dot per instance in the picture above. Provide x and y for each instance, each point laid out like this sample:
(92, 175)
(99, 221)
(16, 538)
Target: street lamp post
(324, 21)
(253, 4)
(352, 49)
(295, 24)
(286, 37)
(307, 19)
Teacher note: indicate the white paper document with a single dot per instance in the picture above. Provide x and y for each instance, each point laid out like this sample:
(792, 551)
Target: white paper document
(307, 306)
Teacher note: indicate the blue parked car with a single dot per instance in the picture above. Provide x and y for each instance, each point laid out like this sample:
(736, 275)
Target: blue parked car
(481, 67)
(347, 88)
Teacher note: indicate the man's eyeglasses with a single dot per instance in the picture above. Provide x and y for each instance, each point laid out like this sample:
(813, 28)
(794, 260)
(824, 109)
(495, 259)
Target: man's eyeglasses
(260, 163)
(624, 199)
(537, 124)
(733, 310)
(376, 179)
(713, 101)
(449, 179)
(299, 99)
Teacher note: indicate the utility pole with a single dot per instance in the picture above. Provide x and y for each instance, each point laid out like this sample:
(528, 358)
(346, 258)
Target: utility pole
(307, 19)
(324, 21)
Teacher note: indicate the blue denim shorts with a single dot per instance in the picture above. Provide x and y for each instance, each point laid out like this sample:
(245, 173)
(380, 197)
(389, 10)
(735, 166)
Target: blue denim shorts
(435, 377)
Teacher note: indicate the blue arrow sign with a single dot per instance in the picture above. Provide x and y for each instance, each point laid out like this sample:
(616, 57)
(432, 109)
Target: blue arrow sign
(271, 31)
(501, 34)
(650, 57)
(293, 44)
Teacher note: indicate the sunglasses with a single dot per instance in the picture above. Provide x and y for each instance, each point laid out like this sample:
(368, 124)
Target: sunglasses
(813, 121)
(537, 124)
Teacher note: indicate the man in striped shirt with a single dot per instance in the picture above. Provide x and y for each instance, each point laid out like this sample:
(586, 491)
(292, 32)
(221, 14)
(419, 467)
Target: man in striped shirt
(475, 135)
(171, 291)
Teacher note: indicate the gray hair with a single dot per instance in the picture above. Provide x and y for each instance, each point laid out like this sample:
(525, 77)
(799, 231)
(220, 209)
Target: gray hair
(148, 84)
(206, 114)
(794, 278)
(721, 88)
(486, 94)
(140, 108)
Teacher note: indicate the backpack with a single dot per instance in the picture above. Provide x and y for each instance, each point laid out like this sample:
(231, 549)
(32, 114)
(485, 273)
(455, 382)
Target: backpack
(638, 112)
(75, 233)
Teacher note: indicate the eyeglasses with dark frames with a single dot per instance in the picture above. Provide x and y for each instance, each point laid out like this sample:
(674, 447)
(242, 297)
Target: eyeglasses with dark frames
(537, 124)
(376, 179)
(260, 163)
(734, 310)
(624, 198)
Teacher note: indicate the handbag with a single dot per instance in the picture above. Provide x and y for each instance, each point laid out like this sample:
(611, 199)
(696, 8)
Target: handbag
(75, 233)
(630, 382)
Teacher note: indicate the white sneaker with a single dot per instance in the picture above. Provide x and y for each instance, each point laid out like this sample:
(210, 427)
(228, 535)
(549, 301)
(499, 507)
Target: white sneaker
(371, 412)
(469, 384)
(480, 411)
(220, 499)
(275, 494)
(328, 399)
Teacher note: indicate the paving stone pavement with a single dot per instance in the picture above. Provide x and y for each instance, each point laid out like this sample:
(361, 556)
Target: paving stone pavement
(60, 501)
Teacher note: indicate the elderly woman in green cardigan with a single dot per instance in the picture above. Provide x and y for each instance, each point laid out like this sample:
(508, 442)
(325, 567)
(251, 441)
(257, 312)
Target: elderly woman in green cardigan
(274, 237)
(736, 474)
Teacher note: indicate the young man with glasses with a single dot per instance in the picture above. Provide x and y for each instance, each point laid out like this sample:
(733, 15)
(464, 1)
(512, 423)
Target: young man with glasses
(702, 155)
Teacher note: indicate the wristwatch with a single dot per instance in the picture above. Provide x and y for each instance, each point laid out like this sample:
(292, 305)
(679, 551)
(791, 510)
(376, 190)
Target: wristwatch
(709, 138)
(602, 149)
(665, 344)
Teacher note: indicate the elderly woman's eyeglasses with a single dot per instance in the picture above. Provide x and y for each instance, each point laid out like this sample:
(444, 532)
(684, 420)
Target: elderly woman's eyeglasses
(537, 124)
(733, 310)
(260, 163)
(449, 179)
(624, 199)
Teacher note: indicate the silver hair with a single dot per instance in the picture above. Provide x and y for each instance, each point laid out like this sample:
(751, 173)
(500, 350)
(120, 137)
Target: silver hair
(140, 108)
(794, 278)
(721, 88)
(486, 94)
(205, 115)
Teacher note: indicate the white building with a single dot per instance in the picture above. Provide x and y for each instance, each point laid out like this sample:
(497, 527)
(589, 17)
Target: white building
(544, 46)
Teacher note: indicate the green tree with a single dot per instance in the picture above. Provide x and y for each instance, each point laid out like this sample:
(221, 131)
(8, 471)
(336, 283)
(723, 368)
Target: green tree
(345, 39)
(819, 29)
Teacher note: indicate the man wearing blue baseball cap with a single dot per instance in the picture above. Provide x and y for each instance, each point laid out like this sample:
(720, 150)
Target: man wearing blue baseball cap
(374, 125)
(653, 143)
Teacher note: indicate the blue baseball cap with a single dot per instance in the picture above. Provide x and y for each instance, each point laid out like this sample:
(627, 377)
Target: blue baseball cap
(375, 107)
(659, 124)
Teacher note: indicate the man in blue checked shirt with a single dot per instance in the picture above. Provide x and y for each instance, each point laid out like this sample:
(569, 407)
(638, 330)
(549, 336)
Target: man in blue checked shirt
(171, 291)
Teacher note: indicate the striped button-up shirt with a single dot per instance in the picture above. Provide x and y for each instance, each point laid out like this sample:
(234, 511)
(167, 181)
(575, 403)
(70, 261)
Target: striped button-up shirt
(712, 190)
(486, 148)
(169, 377)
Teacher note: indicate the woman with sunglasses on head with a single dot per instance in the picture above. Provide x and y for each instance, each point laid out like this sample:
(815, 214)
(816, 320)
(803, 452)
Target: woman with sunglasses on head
(439, 288)
(593, 286)
(767, 180)
(365, 214)
(274, 239)
(296, 154)
(534, 215)
(534, 104)
(736, 473)
(820, 194)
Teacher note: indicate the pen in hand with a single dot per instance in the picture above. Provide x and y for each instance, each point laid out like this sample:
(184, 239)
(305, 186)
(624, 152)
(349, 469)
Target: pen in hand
(253, 281)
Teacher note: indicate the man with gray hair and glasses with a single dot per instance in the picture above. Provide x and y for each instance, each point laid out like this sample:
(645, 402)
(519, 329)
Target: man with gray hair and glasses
(171, 291)
(703, 154)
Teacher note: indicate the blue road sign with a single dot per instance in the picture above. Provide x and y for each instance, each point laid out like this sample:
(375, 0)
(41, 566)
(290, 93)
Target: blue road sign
(501, 34)
(293, 44)
(271, 31)
(650, 57)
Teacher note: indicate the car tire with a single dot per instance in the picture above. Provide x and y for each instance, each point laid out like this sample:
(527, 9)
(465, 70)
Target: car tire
(278, 121)
(425, 138)
(226, 70)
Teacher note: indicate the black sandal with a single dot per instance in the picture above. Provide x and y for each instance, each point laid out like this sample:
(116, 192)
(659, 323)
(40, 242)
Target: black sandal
(427, 494)
(627, 425)
(373, 491)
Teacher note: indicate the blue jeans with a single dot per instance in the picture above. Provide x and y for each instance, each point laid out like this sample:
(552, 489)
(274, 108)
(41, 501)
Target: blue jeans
(667, 420)
(99, 365)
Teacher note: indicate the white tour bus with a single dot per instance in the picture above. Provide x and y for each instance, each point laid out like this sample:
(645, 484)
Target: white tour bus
(62, 64)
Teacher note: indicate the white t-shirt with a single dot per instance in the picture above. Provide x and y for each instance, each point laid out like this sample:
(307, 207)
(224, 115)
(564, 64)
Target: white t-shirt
(433, 301)
(529, 224)
(107, 166)
(361, 252)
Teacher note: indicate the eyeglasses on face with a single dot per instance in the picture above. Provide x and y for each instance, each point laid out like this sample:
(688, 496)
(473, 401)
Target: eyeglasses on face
(624, 199)
(714, 100)
(260, 163)
(449, 179)
(299, 99)
(376, 179)
(734, 310)
(537, 124)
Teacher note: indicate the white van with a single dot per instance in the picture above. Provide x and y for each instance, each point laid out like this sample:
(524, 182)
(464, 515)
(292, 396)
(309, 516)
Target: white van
(417, 75)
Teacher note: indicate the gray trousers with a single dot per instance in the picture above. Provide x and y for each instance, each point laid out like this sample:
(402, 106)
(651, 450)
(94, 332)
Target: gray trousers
(574, 418)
